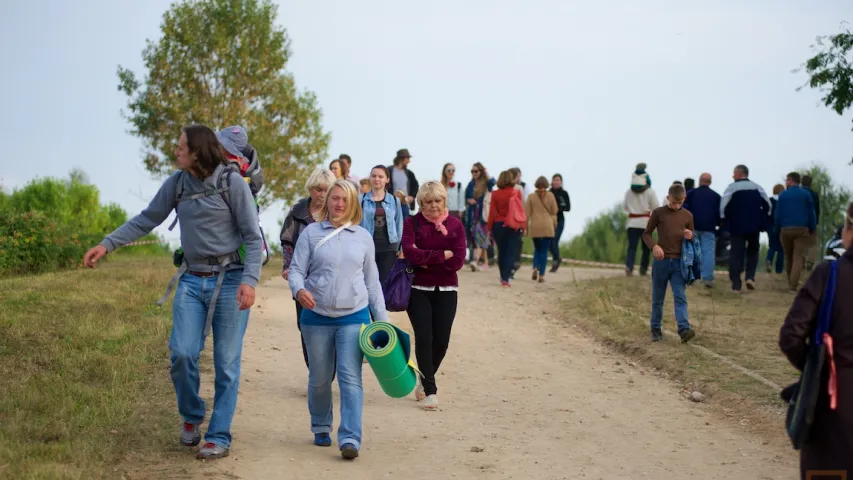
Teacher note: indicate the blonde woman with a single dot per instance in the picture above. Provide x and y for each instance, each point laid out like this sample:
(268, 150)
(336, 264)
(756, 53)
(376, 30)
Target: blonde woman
(304, 213)
(333, 275)
(541, 208)
(434, 242)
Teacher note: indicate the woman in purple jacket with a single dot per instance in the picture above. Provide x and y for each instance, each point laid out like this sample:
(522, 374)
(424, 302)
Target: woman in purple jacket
(434, 242)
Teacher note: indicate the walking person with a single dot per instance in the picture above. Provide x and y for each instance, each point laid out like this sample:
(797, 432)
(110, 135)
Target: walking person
(348, 160)
(673, 224)
(304, 213)
(333, 275)
(564, 206)
(478, 233)
(704, 204)
(433, 242)
(774, 248)
(795, 220)
(744, 207)
(216, 284)
(507, 237)
(455, 192)
(811, 253)
(382, 217)
(541, 208)
(830, 439)
(638, 203)
(404, 179)
(525, 192)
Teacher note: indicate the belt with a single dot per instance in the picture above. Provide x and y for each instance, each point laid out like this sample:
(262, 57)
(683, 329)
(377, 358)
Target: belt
(203, 274)
(639, 215)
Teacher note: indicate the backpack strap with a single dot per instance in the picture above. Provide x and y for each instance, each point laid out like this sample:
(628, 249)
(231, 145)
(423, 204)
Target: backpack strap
(825, 312)
(222, 191)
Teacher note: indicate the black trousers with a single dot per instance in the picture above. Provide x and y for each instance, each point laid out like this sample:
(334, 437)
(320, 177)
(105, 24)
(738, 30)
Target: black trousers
(384, 262)
(743, 246)
(299, 326)
(635, 236)
(431, 314)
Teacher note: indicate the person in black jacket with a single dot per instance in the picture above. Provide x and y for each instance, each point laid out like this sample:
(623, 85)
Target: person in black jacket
(563, 205)
(704, 204)
(403, 179)
(744, 208)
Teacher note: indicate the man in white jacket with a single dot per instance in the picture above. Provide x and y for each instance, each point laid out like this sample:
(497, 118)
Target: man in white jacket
(639, 202)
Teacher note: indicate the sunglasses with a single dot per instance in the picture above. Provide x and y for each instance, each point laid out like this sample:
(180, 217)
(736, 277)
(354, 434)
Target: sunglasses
(451, 170)
(475, 171)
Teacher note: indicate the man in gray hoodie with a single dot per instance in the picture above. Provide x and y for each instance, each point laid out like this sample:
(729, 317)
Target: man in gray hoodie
(221, 264)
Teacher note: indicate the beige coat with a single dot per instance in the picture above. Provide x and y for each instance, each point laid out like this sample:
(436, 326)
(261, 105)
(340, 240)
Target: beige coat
(541, 215)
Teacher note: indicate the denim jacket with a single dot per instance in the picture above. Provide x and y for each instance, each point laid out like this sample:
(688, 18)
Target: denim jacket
(393, 215)
(341, 275)
(691, 260)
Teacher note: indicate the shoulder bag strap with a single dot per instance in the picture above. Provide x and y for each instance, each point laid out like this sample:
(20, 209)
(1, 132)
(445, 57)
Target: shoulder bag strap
(825, 313)
(332, 234)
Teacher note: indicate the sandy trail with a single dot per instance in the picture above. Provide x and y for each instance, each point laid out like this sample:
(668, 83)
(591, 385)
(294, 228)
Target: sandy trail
(540, 401)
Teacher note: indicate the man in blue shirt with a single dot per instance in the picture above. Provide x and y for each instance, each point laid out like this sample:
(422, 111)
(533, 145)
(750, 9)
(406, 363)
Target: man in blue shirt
(744, 207)
(796, 220)
(704, 204)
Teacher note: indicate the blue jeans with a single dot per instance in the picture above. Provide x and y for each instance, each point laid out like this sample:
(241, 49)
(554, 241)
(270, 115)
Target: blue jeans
(507, 240)
(189, 312)
(668, 271)
(775, 250)
(555, 243)
(330, 348)
(708, 242)
(540, 253)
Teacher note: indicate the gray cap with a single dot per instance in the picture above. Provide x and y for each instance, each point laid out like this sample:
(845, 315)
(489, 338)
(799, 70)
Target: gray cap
(233, 139)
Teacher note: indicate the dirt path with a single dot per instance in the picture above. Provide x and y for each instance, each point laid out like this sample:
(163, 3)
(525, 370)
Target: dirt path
(539, 400)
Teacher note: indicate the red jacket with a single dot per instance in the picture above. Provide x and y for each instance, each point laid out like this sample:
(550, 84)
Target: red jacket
(499, 207)
(425, 250)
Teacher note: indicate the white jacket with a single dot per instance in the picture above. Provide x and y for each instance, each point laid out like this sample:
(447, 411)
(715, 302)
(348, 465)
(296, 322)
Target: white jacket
(639, 204)
(456, 198)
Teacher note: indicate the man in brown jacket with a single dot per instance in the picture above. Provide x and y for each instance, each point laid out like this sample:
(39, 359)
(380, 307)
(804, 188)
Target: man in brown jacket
(541, 209)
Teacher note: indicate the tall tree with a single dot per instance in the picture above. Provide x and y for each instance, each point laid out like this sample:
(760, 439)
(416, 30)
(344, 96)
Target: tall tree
(830, 70)
(221, 63)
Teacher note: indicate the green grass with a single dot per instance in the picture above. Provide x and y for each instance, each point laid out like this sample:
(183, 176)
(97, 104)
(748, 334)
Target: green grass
(84, 369)
(743, 328)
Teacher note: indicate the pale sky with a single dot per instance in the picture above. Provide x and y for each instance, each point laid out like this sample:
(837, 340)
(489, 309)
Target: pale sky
(586, 89)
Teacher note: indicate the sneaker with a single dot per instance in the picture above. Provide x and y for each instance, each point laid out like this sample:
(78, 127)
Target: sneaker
(657, 335)
(322, 440)
(505, 284)
(542, 279)
(473, 267)
(768, 266)
(629, 273)
(708, 283)
(211, 451)
(535, 275)
(750, 284)
(190, 435)
(555, 266)
(349, 452)
(643, 273)
(736, 292)
(686, 335)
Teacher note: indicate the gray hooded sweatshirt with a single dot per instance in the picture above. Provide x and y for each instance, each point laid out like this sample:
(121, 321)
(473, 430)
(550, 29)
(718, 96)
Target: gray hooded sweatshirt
(208, 227)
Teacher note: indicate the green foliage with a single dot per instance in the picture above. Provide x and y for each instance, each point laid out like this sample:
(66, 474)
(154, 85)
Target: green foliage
(48, 224)
(220, 63)
(834, 199)
(830, 70)
(604, 239)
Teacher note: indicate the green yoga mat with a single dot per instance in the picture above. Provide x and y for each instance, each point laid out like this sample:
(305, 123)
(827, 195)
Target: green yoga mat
(387, 349)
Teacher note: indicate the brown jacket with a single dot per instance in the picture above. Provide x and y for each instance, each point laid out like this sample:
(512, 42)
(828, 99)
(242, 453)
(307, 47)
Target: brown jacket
(541, 215)
(830, 445)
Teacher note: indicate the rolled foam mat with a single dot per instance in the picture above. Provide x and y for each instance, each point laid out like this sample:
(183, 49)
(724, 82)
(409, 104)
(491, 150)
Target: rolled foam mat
(387, 349)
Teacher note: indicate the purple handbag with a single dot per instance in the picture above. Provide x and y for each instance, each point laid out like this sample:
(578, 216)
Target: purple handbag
(398, 286)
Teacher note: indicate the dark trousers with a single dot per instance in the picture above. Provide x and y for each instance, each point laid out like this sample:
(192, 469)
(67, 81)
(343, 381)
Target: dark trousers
(635, 236)
(555, 243)
(384, 262)
(507, 240)
(516, 262)
(775, 250)
(431, 314)
(743, 246)
(299, 326)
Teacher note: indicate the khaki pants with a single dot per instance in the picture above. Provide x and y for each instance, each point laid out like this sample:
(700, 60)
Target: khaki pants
(795, 242)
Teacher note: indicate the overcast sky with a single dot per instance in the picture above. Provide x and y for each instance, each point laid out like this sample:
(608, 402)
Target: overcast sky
(587, 89)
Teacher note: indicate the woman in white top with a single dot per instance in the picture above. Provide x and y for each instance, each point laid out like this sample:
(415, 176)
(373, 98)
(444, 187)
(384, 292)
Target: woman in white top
(455, 194)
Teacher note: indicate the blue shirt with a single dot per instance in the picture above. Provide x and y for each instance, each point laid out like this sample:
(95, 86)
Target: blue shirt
(393, 215)
(795, 208)
(309, 317)
(341, 275)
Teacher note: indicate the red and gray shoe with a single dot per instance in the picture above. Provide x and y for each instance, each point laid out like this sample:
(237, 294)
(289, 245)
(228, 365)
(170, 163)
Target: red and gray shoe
(211, 451)
(190, 435)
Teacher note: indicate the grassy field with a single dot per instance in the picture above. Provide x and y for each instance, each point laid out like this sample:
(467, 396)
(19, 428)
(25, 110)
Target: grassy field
(745, 329)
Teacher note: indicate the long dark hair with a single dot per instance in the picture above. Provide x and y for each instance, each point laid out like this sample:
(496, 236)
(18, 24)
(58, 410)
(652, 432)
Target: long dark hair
(202, 142)
(481, 184)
